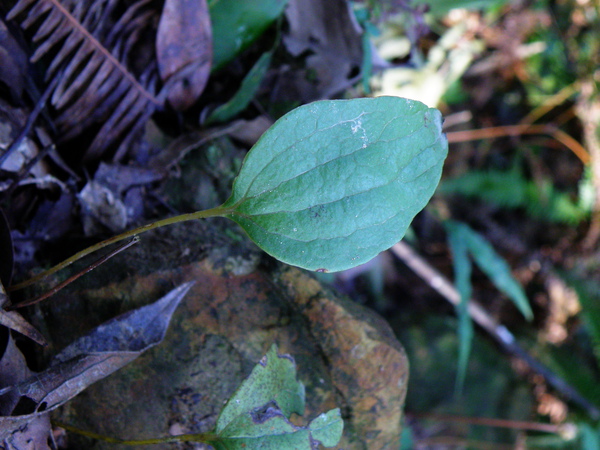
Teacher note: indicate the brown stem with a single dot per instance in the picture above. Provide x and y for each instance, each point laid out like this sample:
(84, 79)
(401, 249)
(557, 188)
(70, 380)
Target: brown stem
(72, 278)
(491, 422)
(516, 130)
(218, 211)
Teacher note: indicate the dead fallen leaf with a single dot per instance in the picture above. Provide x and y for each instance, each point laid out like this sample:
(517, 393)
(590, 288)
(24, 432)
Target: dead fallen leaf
(184, 50)
(328, 32)
(92, 357)
(13, 70)
(120, 178)
(18, 433)
(101, 207)
(13, 369)
(14, 433)
(249, 131)
(14, 321)
(134, 331)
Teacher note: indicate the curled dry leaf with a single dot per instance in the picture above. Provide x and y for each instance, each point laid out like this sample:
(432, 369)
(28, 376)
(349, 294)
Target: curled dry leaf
(16, 433)
(91, 358)
(328, 34)
(11, 320)
(16, 322)
(184, 50)
(89, 58)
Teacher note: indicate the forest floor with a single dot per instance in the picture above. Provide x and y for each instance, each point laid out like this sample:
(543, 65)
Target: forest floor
(517, 84)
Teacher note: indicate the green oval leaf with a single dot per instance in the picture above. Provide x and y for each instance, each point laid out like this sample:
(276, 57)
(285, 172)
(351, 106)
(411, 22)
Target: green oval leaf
(245, 94)
(333, 183)
(238, 23)
(273, 379)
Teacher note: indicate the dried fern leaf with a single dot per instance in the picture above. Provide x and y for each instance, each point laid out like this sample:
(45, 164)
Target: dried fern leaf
(77, 64)
(111, 93)
(120, 27)
(83, 79)
(21, 6)
(114, 128)
(94, 83)
(52, 22)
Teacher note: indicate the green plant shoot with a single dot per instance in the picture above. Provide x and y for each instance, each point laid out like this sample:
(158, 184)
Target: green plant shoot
(257, 415)
(331, 184)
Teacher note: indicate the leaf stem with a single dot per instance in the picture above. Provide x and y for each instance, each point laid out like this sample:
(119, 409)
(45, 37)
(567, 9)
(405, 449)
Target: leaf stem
(72, 278)
(213, 212)
(205, 438)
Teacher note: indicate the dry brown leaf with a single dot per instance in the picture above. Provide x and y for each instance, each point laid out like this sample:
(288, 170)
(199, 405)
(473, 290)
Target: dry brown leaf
(95, 84)
(13, 69)
(92, 357)
(14, 431)
(184, 50)
(14, 321)
(328, 32)
(13, 370)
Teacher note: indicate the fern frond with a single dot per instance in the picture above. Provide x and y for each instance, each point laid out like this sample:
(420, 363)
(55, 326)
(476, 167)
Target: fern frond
(510, 189)
(95, 84)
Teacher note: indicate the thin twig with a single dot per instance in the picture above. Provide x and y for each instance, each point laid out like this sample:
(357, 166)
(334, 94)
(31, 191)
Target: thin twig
(72, 278)
(499, 332)
(198, 437)
(516, 130)
(213, 212)
(550, 103)
(495, 423)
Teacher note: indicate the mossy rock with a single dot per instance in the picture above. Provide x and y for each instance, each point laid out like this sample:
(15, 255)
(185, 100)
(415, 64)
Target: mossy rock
(242, 302)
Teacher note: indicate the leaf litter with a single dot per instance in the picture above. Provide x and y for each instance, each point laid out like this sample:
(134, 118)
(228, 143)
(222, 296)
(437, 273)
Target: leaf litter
(27, 398)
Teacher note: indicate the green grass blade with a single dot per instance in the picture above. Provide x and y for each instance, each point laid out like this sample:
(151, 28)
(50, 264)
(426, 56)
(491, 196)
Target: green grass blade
(462, 280)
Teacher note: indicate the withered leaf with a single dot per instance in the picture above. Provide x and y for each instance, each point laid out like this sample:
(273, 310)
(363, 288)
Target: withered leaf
(330, 37)
(184, 50)
(90, 59)
(12, 320)
(14, 431)
(89, 359)
(135, 331)
(13, 370)
(15, 321)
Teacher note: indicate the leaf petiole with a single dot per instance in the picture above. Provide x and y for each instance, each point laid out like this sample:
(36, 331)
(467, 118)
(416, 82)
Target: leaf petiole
(213, 212)
(205, 438)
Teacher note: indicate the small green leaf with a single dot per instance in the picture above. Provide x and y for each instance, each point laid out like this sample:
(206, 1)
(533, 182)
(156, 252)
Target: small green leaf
(245, 94)
(272, 379)
(462, 280)
(267, 427)
(327, 428)
(264, 428)
(257, 416)
(333, 183)
(238, 23)
(494, 266)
